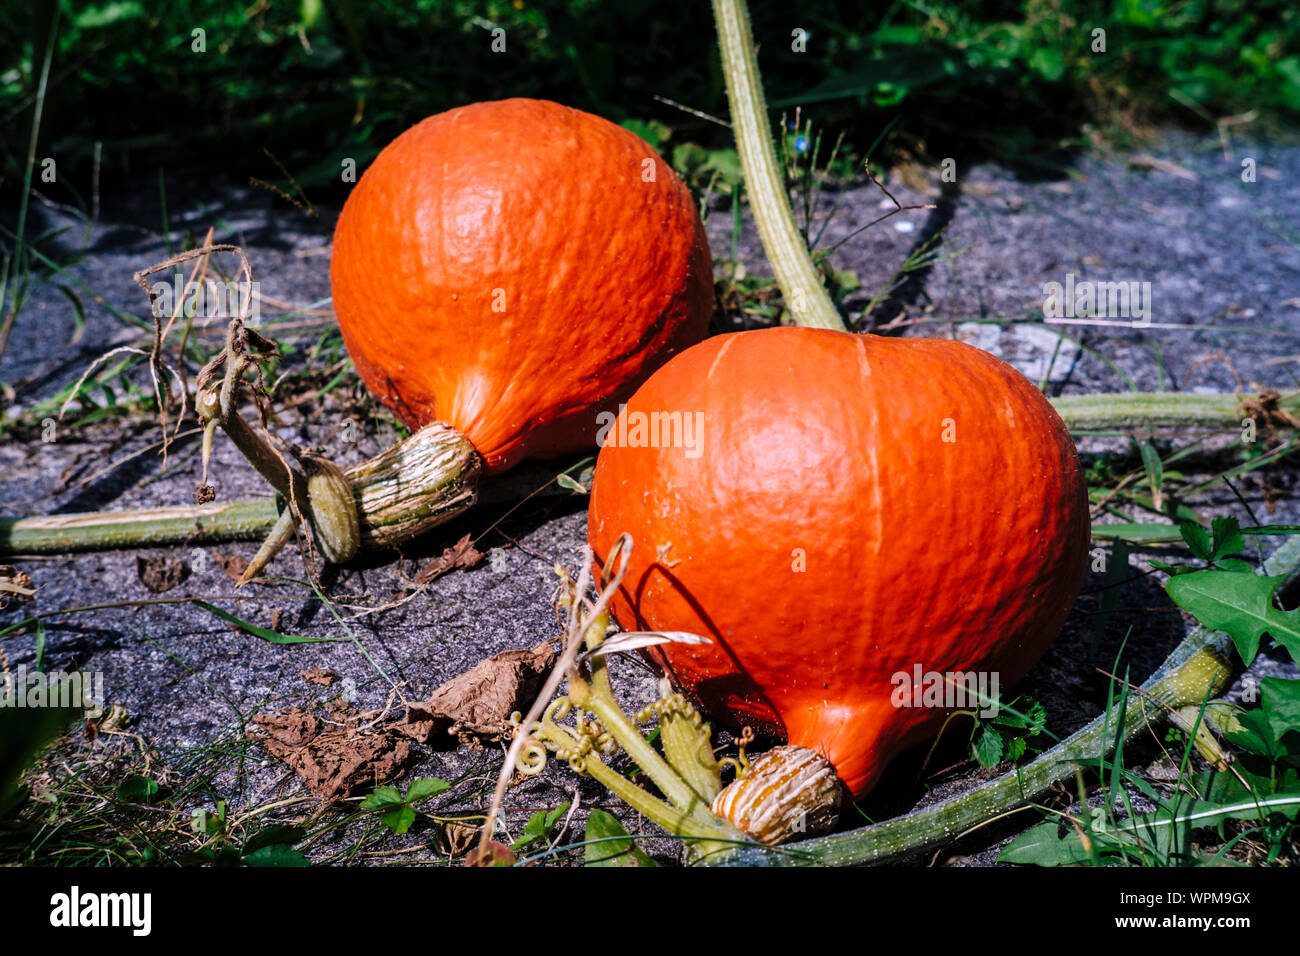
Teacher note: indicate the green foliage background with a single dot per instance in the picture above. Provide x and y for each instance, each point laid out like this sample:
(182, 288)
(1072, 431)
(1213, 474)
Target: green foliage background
(318, 80)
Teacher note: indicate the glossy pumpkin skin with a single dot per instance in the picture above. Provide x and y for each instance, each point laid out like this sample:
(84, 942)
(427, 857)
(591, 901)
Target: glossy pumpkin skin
(507, 268)
(826, 537)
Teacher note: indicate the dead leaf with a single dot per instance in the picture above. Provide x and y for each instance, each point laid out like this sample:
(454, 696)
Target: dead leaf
(455, 837)
(476, 706)
(15, 586)
(494, 854)
(160, 575)
(333, 761)
(317, 675)
(233, 565)
(462, 554)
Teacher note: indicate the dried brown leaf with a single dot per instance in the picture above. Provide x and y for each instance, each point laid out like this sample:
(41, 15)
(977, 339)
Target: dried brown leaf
(318, 675)
(476, 705)
(462, 554)
(455, 837)
(15, 586)
(333, 761)
(233, 565)
(161, 574)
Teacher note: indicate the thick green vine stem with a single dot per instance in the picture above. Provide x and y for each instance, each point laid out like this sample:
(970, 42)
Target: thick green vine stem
(392, 506)
(1147, 411)
(1181, 681)
(805, 296)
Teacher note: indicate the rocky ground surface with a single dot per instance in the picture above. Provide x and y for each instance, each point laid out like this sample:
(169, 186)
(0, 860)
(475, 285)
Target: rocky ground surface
(1221, 256)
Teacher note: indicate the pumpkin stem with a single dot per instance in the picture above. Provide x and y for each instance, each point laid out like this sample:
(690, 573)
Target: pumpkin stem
(805, 296)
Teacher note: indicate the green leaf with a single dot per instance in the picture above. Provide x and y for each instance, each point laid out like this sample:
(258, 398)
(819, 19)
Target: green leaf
(1281, 702)
(608, 844)
(554, 816)
(382, 798)
(1237, 565)
(137, 789)
(1227, 537)
(1240, 605)
(1135, 532)
(987, 746)
(277, 854)
(534, 831)
(425, 787)
(398, 820)
(652, 131)
(1256, 735)
(569, 484)
(24, 732)
(106, 14)
(539, 826)
(1154, 471)
(1047, 62)
(1198, 540)
(1041, 846)
(265, 633)
(1116, 574)
(273, 835)
(205, 822)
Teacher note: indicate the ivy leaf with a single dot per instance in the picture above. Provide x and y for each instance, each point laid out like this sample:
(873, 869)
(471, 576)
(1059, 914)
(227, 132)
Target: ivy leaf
(608, 844)
(1240, 605)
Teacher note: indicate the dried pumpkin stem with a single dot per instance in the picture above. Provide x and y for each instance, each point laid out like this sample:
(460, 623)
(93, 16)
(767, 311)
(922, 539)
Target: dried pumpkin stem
(805, 296)
(1181, 681)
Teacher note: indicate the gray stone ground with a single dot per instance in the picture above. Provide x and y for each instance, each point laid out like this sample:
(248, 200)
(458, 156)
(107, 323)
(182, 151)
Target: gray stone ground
(1222, 257)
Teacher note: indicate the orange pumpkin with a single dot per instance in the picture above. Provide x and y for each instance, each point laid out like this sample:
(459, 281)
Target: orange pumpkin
(512, 268)
(849, 509)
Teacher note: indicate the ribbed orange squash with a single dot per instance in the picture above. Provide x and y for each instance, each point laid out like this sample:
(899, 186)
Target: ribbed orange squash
(852, 507)
(511, 268)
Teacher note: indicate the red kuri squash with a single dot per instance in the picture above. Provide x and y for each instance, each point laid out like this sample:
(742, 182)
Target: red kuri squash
(834, 511)
(510, 268)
